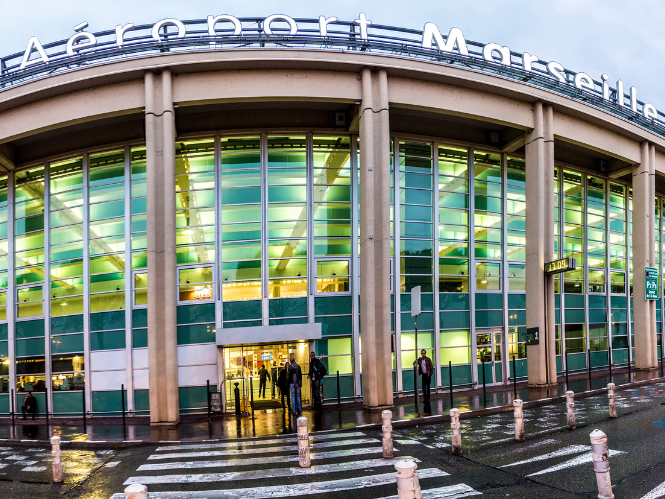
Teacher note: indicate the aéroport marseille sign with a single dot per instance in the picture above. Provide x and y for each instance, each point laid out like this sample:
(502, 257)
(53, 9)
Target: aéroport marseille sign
(279, 25)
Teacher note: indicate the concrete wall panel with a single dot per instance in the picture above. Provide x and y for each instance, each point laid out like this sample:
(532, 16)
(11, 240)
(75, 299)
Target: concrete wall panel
(192, 355)
(108, 360)
(199, 375)
(108, 380)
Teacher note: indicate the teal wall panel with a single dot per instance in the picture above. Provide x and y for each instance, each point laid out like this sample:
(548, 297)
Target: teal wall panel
(67, 403)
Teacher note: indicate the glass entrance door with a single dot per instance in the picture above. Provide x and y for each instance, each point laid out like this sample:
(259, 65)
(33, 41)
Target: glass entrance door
(244, 364)
(489, 349)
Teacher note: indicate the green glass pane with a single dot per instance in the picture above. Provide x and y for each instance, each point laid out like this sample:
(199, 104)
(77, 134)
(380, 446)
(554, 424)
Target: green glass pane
(109, 340)
(67, 343)
(107, 210)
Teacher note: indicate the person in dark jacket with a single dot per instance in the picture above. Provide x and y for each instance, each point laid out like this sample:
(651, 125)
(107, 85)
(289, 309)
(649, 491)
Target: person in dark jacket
(283, 383)
(273, 377)
(295, 385)
(426, 370)
(29, 405)
(315, 375)
(264, 375)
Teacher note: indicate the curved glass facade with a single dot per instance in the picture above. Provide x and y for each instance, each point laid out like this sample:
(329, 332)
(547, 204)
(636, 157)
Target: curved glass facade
(267, 234)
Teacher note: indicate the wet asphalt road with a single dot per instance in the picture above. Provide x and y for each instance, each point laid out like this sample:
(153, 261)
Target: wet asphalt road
(553, 462)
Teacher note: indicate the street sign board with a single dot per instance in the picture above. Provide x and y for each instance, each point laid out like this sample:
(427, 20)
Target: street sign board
(415, 301)
(650, 283)
(559, 266)
(215, 402)
(532, 336)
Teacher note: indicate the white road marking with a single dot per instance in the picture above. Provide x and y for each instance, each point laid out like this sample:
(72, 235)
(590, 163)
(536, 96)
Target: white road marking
(450, 492)
(262, 474)
(258, 460)
(241, 444)
(3, 465)
(407, 442)
(586, 458)
(112, 464)
(566, 451)
(656, 493)
(291, 489)
(34, 468)
(27, 463)
(263, 450)
(16, 458)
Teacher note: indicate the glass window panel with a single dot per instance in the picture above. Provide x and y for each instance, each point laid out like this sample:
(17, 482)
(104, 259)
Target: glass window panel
(107, 263)
(241, 161)
(241, 251)
(286, 288)
(241, 178)
(189, 199)
(287, 248)
(232, 271)
(238, 232)
(107, 282)
(107, 192)
(288, 211)
(323, 228)
(66, 234)
(107, 210)
(107, 301)
(287, 267)
(110, 244)
(247, 290)
(286, 176)
(200, 253)
(330, 211)
(107, 227)
(67, 251)
(195, 216)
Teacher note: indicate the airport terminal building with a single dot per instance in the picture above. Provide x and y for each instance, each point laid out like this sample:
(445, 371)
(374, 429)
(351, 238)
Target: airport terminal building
(185, 202)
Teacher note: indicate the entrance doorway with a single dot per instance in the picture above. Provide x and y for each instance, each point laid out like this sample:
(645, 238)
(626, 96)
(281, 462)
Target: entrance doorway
(489, 348)
(242, 365)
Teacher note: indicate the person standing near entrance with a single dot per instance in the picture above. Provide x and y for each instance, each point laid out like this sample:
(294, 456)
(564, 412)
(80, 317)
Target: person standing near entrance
(316, 373)
(29, 405)
(426, 369)
(283, 383)
(273, 377)
(263, 376)
(295, 385)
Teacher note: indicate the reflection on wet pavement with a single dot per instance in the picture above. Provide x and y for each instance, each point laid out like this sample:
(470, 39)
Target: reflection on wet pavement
(276, 421)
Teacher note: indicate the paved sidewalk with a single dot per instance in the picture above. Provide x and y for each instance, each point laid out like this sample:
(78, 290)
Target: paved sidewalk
(103, 431)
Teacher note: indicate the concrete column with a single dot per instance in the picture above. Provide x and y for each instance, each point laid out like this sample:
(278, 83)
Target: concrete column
(162, 341)
(541, 358)
(644, 193)
(375, 242)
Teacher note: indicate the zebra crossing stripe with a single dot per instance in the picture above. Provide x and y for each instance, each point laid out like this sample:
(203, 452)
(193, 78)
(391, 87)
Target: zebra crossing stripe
(656, 493)
(262, 450)
(586, 458)
(450, 492)
(261, 474)
(238, 445)
(258, 460)
(572, 449)
(290, 490)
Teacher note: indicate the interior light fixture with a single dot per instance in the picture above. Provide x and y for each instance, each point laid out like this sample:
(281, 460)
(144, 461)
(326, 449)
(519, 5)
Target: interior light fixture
(188, 232)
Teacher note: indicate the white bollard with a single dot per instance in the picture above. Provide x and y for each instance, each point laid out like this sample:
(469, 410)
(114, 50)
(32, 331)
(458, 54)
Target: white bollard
(303, 443)
(408, 485)
(455, 426)
(387, 434)
(57, 460)
(136, 491)
(519, 420)
(610, 399)
(570, 406)
(601, 464)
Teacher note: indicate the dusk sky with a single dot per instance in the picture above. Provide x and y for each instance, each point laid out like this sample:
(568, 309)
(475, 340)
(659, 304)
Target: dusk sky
(624, 40)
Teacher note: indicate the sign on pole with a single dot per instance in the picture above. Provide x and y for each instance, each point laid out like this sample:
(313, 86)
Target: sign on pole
(415, 301)
(532, 336)
(650, 283)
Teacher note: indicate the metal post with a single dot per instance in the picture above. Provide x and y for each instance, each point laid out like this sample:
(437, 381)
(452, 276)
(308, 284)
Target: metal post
(570, 406)
(57, 462)
(408, 485)
(122, 401)
(611, 401)
(83, 396)
(601, 464)
(519, 420)
(514, 380)
(484, 395)
(566, 355)
(46, 404)
(589, 365)
(339, 400)
(415, 368)
(455, 427)
(303, 443)
(609, 355)
(136, 491)
(236, 395)
(12, 404)
(450, 375)
(251, 394)
(387, 429)
(208, 394)
(629, 356)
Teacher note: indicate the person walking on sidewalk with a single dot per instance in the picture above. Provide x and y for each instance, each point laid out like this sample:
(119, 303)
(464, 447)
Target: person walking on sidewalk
(316, 373)
(263, 375)
(273, 377)
(283, 384)
(426, 370)
(295, 385)
(29, 405)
